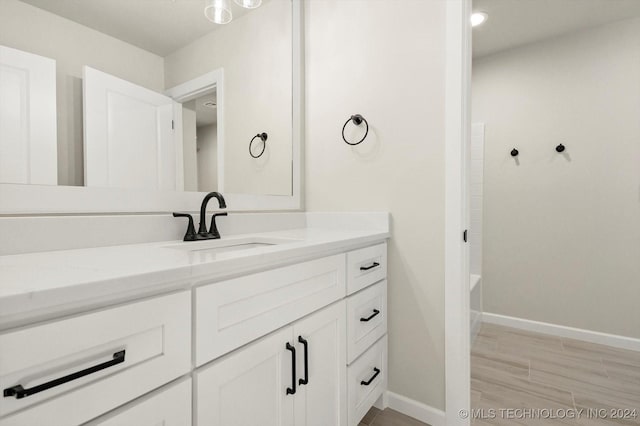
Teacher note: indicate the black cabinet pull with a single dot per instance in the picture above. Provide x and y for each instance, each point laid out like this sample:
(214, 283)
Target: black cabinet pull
(19, 392)
(376, 371)
(373, 265)
(292, 389)
(306, 361)
(370, 317)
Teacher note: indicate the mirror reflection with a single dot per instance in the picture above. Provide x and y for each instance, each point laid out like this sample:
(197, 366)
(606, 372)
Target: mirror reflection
(147, 94)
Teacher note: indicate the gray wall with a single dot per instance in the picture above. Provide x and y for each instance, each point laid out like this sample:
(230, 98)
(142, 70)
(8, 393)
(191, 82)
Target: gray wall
(562, 232)
(400, 166)
(255, 52)
(208, 158)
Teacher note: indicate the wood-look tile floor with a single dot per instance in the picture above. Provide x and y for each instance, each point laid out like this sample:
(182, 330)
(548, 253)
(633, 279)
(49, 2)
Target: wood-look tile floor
(388, 417)
(515, 369)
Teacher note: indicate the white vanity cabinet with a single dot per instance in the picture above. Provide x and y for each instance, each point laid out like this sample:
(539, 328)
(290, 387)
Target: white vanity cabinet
(366, 329)
(170, 406)
(231, 313)
(294, 376)
(297, 345)
(70, 371)
(344, 344)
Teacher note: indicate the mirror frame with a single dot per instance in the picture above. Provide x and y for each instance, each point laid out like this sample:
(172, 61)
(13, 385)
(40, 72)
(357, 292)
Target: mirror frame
(20, 199)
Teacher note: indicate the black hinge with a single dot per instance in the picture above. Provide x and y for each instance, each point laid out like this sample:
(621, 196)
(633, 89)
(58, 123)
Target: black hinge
(464, 236)
(172, 125)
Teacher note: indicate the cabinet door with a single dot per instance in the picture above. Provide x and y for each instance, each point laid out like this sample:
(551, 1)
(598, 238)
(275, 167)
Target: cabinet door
(321, 401)
(170, 407)
(249, 386)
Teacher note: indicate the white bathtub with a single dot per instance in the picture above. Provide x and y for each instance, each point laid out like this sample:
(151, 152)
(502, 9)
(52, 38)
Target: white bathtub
(475, 284)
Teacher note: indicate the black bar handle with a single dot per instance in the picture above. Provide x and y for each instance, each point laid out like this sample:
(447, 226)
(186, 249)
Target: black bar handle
(292, 389)
(375, 374)
(19, 392)
(373, 265)
(370, 317)
(306, 361)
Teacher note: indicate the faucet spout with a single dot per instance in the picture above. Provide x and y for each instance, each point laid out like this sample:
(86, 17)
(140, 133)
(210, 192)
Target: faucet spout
(203, 211)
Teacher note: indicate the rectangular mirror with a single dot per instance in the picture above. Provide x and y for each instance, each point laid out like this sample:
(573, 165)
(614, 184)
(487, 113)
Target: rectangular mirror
(150, 96)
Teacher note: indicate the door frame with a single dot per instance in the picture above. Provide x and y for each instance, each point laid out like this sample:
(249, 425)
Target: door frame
(457, 149)
(192, 89)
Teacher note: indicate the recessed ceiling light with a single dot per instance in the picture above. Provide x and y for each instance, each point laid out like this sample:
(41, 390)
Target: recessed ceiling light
(478, 18)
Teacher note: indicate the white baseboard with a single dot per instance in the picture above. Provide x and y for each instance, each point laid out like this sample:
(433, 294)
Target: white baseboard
(415, 409)
(612, 340)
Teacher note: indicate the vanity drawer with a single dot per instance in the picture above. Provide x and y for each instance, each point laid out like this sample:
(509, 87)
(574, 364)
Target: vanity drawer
(75, 369)
(232, 313)
(367, 380)
(366, 266)
(170, 406)
(366, 319)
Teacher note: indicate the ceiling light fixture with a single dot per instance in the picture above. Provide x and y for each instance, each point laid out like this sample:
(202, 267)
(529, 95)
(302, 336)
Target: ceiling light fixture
(249, 4)
(218, 11)
(478, 18)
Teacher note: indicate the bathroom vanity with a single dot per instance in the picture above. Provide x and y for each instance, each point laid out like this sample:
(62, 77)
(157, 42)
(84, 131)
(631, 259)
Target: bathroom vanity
(278, 328)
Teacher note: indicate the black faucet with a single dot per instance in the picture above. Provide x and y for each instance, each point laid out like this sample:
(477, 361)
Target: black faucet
(202, 231)
(203, 234)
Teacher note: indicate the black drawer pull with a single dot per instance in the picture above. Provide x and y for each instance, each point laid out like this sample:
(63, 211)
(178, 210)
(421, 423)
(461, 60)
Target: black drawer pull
(375, 374)
(306, 361)
(373, 265)
(292, 389)
(370, 317)
(19, 392)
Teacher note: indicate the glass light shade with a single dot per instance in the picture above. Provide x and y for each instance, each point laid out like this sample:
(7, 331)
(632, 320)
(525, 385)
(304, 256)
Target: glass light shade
(218, 11)
(249, 4)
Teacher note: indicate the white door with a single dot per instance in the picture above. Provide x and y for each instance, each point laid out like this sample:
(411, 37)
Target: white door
(249, 386)
(171, 407)
(132, 135)
(28, 150)
(322, 400)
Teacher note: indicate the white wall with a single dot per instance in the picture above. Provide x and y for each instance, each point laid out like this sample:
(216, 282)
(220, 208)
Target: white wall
(386, 62)
(562, 232)
(207, 158)
(72, 45)
(255, 51)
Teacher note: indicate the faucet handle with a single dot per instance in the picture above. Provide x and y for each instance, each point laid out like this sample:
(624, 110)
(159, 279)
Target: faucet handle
(213, 229)
(191, 230)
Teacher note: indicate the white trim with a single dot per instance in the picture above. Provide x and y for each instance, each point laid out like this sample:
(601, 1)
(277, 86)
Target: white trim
(415, 409)
(192, 89)
(458, 128)
(613, 340)
(16, 199)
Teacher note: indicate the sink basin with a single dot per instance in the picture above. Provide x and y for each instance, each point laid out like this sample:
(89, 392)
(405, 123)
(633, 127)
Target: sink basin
(228, 245)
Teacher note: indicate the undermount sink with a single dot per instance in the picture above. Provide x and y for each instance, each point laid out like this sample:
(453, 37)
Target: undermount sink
(229, 245)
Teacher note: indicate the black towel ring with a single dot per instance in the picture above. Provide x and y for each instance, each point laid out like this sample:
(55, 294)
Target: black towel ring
(263, 138)
(357, 120)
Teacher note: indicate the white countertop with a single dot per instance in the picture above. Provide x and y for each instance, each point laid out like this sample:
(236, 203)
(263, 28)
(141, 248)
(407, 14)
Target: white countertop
(35, 286)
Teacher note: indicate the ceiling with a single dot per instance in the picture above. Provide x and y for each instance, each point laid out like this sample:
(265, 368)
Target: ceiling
(158, 26)
(513, 23)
